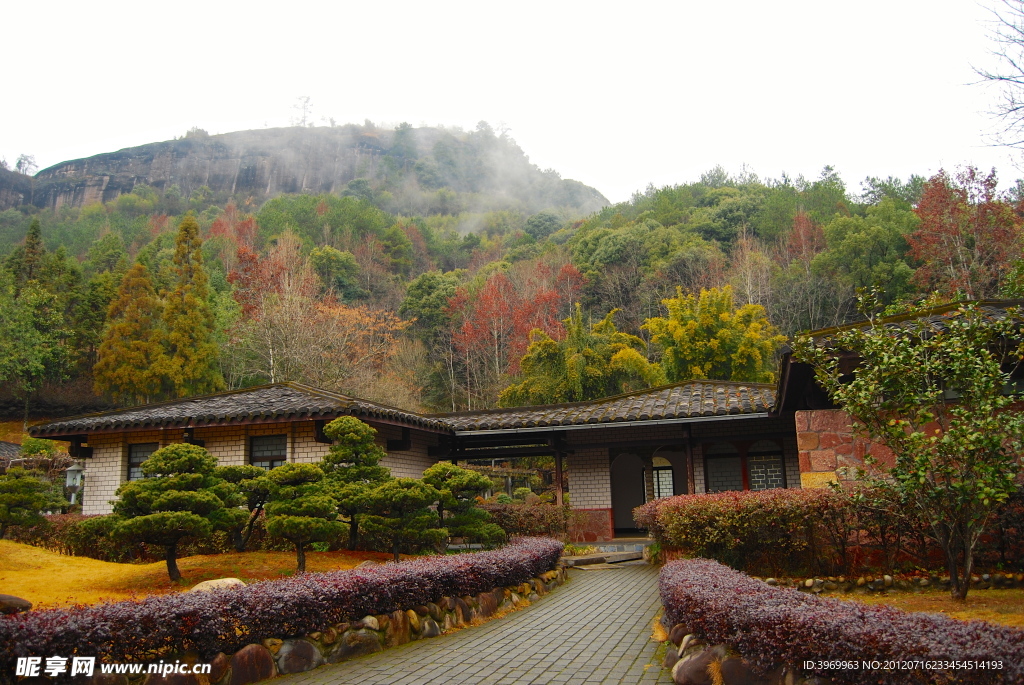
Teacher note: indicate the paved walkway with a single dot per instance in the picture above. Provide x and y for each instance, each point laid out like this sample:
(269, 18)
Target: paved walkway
(594, 629)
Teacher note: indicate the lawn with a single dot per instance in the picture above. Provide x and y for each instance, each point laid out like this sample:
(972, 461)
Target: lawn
(47, 579)
(995, 606)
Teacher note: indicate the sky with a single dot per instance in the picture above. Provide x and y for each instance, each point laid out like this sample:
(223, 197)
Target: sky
(616, 95)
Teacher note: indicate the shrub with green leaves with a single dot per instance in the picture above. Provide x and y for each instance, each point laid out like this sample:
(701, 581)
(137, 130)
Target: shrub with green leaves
(180, 497)
(301, 509)
(353, 469)
(402, 516)
(24, 495)
(457, 508)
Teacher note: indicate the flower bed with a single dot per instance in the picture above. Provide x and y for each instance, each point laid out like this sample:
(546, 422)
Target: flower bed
(228, 620)
(775, 627)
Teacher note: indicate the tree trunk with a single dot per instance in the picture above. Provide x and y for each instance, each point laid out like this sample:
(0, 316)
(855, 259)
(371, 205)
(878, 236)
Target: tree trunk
(353, 532)
(394, 548)
(300, 554)
(171, 555)
(24, 423)
(241, 537)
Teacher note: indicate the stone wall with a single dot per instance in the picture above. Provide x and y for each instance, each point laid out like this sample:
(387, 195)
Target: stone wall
(333, 644)
(827, 443)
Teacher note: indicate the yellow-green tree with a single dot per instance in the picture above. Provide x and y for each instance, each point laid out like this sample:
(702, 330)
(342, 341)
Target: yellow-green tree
(131, 354)
(708, 336)
(588, 363)
(191, 366)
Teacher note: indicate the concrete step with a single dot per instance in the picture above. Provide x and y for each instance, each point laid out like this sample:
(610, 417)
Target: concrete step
(601, 558)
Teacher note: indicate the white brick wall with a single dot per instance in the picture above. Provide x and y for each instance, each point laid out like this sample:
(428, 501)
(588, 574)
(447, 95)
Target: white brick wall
(108, 467)
(590, 485)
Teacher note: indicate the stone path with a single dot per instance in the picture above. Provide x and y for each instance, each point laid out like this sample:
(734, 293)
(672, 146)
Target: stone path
(594, 629)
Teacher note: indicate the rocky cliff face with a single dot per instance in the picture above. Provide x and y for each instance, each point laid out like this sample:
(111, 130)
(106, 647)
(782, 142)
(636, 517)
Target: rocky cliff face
(268, 162)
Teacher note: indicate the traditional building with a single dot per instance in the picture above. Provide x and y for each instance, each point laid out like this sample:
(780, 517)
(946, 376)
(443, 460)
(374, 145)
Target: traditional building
(619, 452)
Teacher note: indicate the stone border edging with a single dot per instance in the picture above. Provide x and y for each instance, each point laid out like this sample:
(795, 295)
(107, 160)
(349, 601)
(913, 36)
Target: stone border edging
(337, 643)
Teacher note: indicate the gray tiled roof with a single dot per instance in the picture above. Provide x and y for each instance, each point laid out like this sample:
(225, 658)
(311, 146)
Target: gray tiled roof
(284, 401)
(936, 319)
(9, 450)
(693, 399)
(293, 401)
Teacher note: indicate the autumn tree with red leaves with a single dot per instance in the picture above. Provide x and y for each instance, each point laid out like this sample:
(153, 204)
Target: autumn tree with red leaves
(968, 236)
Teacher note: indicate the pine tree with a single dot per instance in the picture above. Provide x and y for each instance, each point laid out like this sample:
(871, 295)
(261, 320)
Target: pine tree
(181, 496)
(191, 352)
(300, 509)
(353, 470)
(131, 356)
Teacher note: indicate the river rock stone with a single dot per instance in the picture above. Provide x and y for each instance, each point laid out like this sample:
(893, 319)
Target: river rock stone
(273, 644)
(251, 664)
(449, 622)
(488, 605)
(693, 670)
(887, 580)
(397, 632)
(329, 636)
(414, 620)
(355, 643)
(219, 666)
(736, 671)
(435, 611)
(9, 604)
(677, 633)
(297, 656)
(370, 622)
(430, 628)
(217, 584)
(463, 614)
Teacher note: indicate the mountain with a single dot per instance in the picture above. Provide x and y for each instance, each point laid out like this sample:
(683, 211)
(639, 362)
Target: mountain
(413, 165)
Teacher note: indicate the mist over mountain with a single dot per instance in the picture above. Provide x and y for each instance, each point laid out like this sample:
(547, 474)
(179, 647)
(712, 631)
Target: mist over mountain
(405, 170)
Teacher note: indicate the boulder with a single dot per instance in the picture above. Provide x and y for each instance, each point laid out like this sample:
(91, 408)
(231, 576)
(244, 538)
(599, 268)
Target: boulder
(251, 664)
(414, 620)
(397, 632)
(463, 614)
(9, 604)
(217, 584)
(677, 633)
(370, 622)
(355, 643)
(219, 666)
(430, 628)
(488, 605)
(296, 656)
(436, 612)
(273, 644)
(694, 669)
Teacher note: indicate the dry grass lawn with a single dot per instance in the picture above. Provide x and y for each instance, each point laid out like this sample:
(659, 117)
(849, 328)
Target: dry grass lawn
(995, 606)
(47, 579)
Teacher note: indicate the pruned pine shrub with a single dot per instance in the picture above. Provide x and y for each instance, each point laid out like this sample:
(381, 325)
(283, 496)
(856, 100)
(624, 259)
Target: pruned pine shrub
(772, 627)
(227, 620)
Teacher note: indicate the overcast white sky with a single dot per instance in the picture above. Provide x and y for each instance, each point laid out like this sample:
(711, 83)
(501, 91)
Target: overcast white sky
(617, 95)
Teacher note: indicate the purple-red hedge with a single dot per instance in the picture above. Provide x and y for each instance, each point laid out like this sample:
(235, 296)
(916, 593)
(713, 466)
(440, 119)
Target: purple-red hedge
(773, 626)
(227, 620)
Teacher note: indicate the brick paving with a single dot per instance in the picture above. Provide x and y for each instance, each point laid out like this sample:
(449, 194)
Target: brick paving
(594, 629)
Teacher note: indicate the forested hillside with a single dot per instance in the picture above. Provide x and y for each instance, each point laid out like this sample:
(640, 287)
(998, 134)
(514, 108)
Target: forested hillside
(447, 295)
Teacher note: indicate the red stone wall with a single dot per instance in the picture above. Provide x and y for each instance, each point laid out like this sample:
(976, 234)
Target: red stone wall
(827, 441)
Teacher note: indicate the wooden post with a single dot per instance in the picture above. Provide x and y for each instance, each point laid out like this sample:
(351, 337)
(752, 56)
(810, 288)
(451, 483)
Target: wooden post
(558, 478)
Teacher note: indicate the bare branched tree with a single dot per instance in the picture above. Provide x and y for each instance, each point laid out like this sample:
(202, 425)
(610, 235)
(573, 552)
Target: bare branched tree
(1008, 34)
